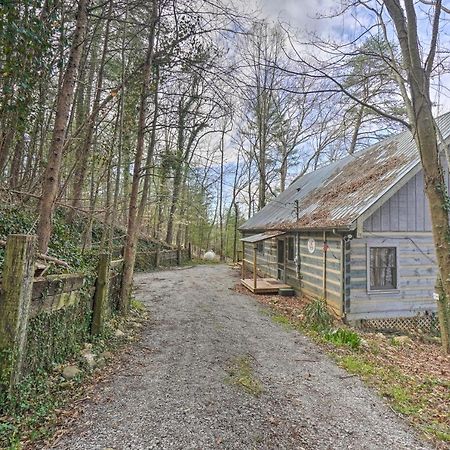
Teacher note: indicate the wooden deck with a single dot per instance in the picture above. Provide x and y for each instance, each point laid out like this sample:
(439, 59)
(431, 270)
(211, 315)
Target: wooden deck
(264, 285)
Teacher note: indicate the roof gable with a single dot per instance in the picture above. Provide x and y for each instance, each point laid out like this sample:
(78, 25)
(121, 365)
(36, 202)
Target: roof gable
(336, 195)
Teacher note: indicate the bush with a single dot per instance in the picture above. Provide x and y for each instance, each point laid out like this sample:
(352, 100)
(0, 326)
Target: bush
(317, 315)
(343, 336)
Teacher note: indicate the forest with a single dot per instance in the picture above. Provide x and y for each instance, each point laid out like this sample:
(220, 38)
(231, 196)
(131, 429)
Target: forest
(177, 120)
(140, 135)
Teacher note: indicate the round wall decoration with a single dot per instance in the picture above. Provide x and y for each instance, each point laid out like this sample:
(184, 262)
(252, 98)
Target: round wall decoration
(311, 245)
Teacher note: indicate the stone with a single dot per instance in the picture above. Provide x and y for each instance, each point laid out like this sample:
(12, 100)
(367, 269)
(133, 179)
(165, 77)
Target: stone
(119, 333)
(364, 344)
(90, 359)
(106, 354)
(401, 340)
(100, 362)
(70, 372)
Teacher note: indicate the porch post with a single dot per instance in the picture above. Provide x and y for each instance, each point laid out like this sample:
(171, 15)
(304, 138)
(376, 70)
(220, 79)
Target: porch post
(243, 260)
(255, 246)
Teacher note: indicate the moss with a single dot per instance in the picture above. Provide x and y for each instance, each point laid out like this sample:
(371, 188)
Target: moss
(56, 335)
(240, 373)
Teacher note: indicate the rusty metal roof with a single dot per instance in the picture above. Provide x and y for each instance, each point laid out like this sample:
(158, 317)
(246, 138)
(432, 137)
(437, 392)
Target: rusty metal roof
(335, 196)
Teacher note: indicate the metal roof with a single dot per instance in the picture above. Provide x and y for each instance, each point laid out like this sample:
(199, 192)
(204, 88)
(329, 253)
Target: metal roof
(262, 236)
(335, 196)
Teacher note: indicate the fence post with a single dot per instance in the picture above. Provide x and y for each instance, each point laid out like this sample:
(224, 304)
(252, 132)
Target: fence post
(157, 256)
(17, 287)
(100, 312)
(190, 251)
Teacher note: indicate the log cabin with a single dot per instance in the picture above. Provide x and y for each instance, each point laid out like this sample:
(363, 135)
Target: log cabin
(356, 232)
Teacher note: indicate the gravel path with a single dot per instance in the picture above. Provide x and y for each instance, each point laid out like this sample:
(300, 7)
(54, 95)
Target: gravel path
(174, 391)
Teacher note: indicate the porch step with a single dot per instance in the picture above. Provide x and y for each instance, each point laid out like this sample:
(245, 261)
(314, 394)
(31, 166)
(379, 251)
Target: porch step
(286, 292)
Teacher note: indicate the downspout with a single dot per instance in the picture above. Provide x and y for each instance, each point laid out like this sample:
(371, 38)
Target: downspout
(343, 268)
(325, 248)
(298, 261)
(255, 246)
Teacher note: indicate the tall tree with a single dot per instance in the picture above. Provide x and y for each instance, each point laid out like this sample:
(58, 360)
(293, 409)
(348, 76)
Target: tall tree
(63, 105)
(129, 255)
(419, 70)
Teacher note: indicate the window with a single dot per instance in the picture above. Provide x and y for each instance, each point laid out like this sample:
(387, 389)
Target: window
(260, 247)
(383, 268)
(291, 249)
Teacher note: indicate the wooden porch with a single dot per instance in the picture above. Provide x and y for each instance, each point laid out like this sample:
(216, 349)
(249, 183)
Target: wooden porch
(264, 285)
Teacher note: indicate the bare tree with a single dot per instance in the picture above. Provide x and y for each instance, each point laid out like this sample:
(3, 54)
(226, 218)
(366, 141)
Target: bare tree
(64, 103)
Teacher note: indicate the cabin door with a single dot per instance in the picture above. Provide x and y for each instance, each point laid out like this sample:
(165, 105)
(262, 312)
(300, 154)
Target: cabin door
(281, 259)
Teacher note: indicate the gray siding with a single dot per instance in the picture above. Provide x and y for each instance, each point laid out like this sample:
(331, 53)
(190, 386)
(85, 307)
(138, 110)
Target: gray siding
(312, 269)
(406, 210)
(416, 277)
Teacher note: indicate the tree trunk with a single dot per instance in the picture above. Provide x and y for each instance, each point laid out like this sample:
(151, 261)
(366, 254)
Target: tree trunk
(64, 102)
(424, 131)
(83, 158)
(133, 225)
(150, 152)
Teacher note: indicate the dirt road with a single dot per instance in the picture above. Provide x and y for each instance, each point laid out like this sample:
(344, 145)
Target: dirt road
(213, 371)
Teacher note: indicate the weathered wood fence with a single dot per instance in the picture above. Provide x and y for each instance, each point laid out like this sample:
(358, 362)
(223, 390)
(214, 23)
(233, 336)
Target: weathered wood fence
(44, 320)
(154, 259)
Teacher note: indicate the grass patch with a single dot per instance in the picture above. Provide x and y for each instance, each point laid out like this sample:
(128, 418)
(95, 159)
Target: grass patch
(317, 316)
(343, 336)
(402, 400)
(205, 262)
(357, 366)
(282, 320)
(240, 373)
(137, 305)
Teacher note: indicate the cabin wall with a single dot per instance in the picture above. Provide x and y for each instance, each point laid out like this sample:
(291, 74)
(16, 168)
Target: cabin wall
(312, 266)
(416, 275)
(321, 275)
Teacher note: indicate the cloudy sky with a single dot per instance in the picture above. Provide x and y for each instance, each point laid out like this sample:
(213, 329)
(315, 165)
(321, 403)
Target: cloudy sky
(303, 15)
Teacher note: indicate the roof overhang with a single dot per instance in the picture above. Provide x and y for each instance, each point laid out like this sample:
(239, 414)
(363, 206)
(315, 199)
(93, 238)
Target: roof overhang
(262, 236)
(294, 229)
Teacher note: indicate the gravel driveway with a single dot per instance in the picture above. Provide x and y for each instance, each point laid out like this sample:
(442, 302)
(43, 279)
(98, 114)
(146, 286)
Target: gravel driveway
(175, 390)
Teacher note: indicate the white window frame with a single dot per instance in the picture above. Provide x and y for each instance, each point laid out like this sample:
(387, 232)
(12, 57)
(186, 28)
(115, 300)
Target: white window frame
(385, 244)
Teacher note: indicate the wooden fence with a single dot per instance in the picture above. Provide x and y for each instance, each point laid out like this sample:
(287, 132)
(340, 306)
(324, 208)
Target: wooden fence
(154, 259)
(44, 320)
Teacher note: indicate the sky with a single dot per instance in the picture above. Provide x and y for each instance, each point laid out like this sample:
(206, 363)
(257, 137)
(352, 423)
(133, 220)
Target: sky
(303, 14)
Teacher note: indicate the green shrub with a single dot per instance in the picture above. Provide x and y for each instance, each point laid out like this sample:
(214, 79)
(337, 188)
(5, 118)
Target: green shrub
(317, 315)
(343, 336)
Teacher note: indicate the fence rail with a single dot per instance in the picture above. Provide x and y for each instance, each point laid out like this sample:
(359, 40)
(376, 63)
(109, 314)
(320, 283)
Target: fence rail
(154, 259)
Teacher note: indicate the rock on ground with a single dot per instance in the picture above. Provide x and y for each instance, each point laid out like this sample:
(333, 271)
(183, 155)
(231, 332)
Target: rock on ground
(70, 372)
(173, 389)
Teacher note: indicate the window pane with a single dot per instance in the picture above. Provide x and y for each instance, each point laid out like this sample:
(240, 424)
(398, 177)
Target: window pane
(291, 249)
(260, 247)
(383, 268)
